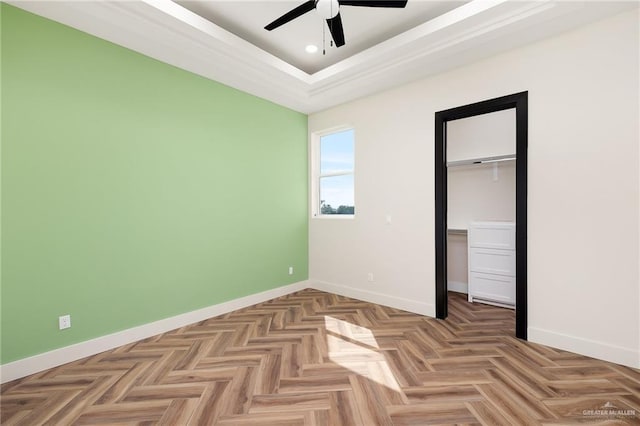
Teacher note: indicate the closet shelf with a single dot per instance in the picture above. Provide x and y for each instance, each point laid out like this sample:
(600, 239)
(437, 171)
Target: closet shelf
(483, 160)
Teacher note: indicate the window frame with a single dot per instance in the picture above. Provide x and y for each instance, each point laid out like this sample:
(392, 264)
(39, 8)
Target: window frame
(315, 175)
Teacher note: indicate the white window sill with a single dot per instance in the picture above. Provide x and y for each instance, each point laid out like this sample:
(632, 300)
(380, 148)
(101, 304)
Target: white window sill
(333, 216)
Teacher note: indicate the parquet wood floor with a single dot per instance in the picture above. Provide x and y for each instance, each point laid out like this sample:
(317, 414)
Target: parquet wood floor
(313, 358)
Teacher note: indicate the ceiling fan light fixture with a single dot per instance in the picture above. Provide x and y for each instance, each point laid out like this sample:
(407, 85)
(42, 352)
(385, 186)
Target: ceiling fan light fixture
(327, 9)
(311, 48)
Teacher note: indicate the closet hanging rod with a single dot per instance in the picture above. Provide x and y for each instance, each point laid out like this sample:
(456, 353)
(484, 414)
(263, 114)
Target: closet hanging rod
(483, 160)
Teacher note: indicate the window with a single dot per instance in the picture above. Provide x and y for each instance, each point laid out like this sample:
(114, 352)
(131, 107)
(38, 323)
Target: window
(332, 183)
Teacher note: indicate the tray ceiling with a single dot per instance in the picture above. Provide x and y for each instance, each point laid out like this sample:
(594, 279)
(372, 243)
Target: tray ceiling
(364, 27)
(225, 40)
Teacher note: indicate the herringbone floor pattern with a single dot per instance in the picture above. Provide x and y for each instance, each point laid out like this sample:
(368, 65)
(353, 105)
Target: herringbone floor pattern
(313, 358)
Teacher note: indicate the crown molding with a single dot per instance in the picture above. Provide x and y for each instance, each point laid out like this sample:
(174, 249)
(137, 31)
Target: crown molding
(170, 33)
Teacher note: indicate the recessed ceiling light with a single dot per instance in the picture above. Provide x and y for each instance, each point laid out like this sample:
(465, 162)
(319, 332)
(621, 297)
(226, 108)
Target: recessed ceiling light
(311, 48)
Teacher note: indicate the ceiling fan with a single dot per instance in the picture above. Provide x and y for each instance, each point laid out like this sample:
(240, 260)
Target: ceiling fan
(330, 10)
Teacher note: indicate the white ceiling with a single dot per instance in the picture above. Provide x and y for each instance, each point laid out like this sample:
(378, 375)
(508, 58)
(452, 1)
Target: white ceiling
(364, 27)
(225, 40)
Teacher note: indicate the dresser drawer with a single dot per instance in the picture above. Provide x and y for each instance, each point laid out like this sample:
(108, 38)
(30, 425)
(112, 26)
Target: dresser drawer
(491, 261)
(493, 288)
(496, 235)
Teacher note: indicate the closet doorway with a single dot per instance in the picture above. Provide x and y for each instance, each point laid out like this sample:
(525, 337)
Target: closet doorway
(517, 102)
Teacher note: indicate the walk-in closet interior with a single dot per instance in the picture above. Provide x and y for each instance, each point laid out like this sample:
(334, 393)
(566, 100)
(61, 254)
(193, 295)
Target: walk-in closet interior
(481, 208)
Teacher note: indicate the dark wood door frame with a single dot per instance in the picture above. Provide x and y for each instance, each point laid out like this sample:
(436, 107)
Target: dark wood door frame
(519, 102)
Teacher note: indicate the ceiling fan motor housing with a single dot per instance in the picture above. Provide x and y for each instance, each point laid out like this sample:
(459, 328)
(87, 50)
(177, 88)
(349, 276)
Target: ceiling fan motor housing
(327, 9)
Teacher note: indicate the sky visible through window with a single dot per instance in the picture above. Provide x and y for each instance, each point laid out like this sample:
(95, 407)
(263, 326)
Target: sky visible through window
(336, 156)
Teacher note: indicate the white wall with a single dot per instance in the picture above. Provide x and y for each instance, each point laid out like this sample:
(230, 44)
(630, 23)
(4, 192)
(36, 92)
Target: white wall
(583, 215)
(474, 195)
(457, 263)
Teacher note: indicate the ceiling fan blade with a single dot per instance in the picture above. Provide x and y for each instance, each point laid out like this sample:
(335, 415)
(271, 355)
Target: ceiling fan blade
(373, 3)
(337, 32)
(292, 14)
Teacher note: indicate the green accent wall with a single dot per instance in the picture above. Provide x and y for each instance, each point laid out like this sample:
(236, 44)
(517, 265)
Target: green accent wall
(134, 191)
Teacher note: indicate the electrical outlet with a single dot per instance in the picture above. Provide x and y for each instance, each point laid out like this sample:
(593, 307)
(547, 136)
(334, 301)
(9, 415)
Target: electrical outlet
(290, 270)
(370, 277)
(64, 321)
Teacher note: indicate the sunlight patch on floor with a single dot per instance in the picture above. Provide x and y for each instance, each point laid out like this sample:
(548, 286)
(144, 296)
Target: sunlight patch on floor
(355, 348)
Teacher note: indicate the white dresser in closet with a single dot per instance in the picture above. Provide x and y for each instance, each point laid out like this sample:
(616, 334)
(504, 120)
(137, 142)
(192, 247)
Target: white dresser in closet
(492, 263)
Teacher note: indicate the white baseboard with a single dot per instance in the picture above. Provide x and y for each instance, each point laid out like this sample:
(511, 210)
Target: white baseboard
(458, 287)
(592, 348)
(374, 297)
(26, 366)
